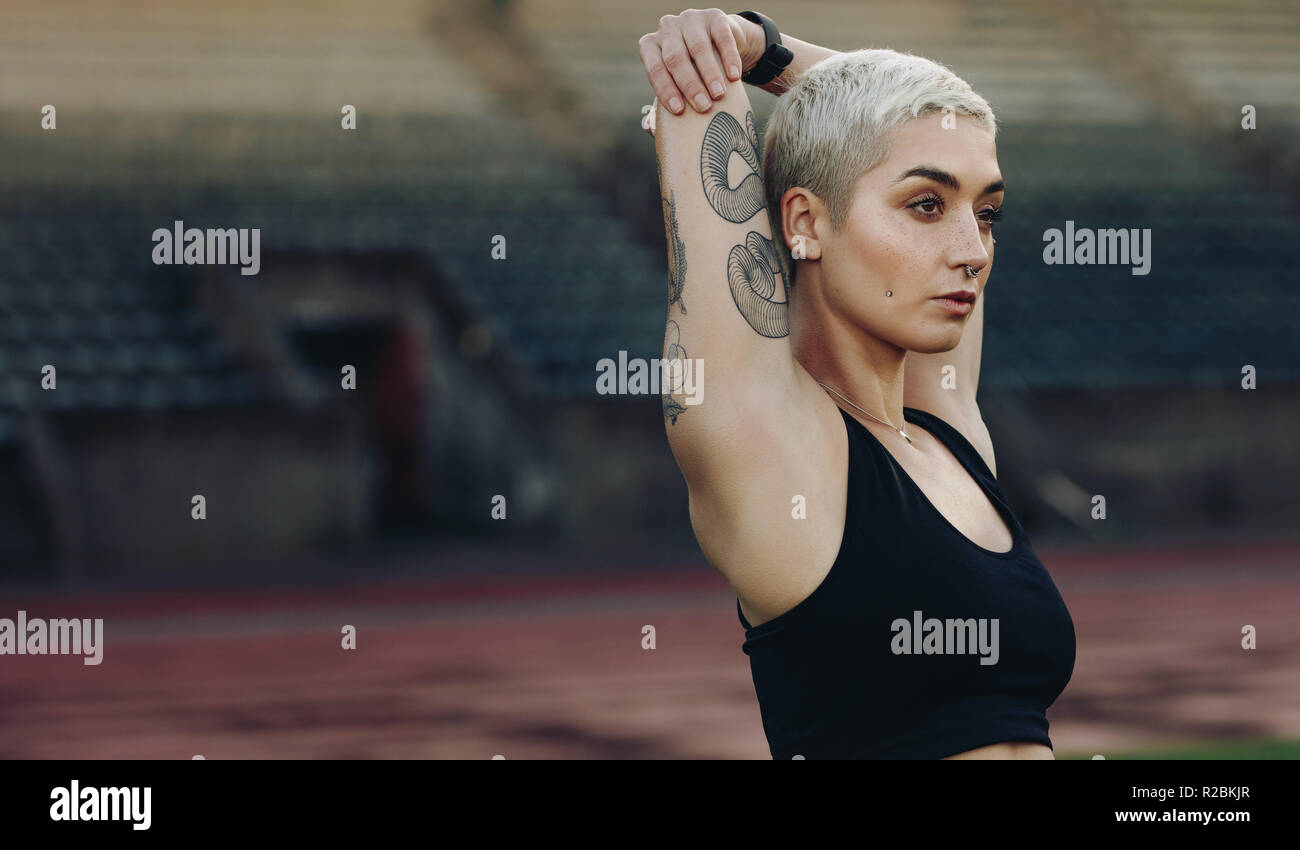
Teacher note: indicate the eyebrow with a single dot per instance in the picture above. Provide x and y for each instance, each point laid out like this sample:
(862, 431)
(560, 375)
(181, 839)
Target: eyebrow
(942, 177)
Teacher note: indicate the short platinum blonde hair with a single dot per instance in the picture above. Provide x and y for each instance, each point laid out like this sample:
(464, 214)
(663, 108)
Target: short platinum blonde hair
(836, 122)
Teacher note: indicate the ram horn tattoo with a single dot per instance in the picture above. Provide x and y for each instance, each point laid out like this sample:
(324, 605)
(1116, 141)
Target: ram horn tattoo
(724, 137)
(752, 272)
(752, 268)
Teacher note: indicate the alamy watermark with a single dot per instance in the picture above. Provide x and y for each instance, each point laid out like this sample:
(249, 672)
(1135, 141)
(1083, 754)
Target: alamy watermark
(946, 637)
(53, 637)
(95, 803)
(215, 246)
(1110, 246)
(638, 376)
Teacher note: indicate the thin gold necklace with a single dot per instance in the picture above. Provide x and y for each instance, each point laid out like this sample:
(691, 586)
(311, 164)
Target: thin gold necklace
(877, 418)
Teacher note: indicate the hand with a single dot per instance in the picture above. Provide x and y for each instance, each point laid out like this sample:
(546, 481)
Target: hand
(685, 59)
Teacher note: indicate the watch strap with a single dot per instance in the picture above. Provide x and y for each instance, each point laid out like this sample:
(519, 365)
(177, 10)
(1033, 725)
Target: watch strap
(776, 56)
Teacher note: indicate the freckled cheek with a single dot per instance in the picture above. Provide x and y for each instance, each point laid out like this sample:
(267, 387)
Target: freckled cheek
(897, 255)
(885, 245)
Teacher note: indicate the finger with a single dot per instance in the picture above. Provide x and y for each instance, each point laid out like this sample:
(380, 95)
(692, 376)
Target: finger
(684, 74)
(660, 80)
(725, 40)
(695, 33)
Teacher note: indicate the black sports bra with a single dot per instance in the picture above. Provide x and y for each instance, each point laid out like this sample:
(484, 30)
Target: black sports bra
(919, 643)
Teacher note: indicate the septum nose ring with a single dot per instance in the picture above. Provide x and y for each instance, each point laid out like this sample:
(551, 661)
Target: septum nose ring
(971, 273)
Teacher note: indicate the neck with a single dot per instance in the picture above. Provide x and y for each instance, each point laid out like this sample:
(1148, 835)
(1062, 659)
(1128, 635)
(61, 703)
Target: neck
(864, 368)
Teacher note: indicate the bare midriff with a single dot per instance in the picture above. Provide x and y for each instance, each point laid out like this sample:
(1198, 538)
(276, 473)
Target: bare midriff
(1008, 750)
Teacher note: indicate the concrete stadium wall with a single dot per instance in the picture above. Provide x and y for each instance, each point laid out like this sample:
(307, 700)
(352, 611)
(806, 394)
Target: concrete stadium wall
(274, 485)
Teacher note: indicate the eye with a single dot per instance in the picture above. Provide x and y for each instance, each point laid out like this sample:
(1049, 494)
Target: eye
(933, 205)
(928, 200)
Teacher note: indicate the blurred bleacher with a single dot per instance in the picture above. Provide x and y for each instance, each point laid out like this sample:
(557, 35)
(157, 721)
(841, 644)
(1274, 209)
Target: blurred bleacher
(1234, 53)
(229, 117)
(237, 131)
(243, 130)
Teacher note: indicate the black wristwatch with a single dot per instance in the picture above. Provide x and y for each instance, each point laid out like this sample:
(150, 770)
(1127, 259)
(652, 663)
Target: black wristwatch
(775, 56)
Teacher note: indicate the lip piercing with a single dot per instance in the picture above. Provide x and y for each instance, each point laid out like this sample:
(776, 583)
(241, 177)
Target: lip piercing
(889, 292)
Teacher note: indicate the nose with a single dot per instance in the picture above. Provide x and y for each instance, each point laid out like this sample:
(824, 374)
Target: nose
(968, 248)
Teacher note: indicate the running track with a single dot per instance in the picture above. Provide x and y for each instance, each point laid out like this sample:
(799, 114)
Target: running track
(530, 666)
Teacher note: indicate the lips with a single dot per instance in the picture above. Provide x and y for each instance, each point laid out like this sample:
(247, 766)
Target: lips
(960, 295)
(955, 307)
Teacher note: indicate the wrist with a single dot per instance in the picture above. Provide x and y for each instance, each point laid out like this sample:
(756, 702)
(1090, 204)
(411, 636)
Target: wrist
(774, 57)
(752, 46)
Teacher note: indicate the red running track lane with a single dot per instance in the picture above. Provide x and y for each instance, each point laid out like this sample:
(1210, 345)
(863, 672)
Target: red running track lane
(552, 667)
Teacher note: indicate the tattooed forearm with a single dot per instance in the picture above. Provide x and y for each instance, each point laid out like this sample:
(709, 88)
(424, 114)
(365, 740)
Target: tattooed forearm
(753, 267)
(676, 254)
(673, 350)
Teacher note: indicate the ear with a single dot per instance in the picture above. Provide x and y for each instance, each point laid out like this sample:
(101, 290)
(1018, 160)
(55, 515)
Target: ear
(800, 212)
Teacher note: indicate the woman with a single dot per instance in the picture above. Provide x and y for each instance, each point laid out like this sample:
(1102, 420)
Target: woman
(892, 605)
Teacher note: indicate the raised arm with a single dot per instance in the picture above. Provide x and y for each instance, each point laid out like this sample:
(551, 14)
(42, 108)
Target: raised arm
(727, 319)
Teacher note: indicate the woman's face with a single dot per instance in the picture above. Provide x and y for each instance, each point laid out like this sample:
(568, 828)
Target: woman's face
(917, 220)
